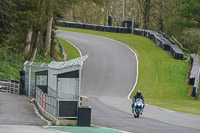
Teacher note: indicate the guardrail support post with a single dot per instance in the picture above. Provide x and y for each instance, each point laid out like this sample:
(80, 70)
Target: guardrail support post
(18, 87)
(14, 88)
(9, 87)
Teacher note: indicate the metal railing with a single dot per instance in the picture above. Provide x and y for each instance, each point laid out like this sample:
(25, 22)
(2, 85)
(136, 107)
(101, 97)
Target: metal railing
(197, 85)
(47, 101)
(51, 102)
(61, 47)
(10, 86)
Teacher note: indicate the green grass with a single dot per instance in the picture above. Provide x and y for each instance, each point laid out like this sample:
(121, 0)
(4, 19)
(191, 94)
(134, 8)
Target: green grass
(162, 79)
(11, 64)
(42, 59)
(70, 50)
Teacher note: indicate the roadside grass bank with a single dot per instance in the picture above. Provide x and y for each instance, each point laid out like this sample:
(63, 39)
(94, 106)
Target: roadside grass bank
(162, 79)
(75, 129)
(71, 51)
(11, 63)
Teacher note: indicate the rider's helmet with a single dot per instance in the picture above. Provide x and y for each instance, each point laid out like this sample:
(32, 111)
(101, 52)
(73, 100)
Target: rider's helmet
(139, 92)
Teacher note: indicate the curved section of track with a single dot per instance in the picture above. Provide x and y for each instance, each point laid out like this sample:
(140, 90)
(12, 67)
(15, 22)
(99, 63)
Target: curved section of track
(108, 76)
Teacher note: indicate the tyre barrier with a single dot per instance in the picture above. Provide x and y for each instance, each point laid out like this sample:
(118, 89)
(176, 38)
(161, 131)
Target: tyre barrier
(159, 39)
(162, 41)
(93, 27)
(195, 74)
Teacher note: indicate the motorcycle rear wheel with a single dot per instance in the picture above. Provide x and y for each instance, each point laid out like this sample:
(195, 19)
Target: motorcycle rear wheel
(138, 114)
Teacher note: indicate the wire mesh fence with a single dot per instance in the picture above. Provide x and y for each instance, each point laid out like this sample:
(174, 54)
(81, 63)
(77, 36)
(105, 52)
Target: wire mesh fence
(55, 86)
(30, 68)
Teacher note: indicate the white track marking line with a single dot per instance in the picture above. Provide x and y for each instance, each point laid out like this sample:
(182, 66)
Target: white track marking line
(136, 75)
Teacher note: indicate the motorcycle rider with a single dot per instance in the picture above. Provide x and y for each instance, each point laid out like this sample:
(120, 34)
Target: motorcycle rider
(138, 95)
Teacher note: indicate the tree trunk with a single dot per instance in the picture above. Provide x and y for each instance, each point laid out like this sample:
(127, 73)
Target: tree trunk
(106, 8)
(145, 10)
(28, 41)
(48, 36)
(161, 16)
(34, 51)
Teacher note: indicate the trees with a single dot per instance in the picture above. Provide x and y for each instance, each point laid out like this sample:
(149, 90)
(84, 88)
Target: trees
(22, 21)
(145, 7)
(8, 25)
(187, 21)
(189, 13)
(50, 10)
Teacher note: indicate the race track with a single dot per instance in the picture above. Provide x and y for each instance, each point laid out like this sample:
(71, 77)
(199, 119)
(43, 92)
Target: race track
(108, 76)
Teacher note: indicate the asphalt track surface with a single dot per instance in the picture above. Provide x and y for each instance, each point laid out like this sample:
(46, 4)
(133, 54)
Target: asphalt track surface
(108, 76)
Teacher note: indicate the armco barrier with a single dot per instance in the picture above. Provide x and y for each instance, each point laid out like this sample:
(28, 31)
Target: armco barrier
(159, 39)
(195, 74)
(93, 27)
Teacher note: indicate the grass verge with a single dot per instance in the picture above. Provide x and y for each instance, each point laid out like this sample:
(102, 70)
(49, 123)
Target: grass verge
(71, 51)
(162, 79)
(11, 64)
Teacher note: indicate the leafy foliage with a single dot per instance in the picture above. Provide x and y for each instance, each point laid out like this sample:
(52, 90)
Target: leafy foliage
(189, 13)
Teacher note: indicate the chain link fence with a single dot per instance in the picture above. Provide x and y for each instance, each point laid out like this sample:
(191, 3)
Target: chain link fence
(30, 68)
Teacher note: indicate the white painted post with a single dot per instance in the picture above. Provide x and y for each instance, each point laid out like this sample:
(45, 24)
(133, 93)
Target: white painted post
(79, 88)
(29, 82)
(57, 102)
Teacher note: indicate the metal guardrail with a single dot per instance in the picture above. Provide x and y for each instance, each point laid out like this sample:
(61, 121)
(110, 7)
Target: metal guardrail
(195, 75)
(61, 47)
(9, 86)
(51, 103)
(47, 102)
(197, 85)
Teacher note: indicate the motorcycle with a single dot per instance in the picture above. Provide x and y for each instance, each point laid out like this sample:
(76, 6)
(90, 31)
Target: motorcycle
(138, 108)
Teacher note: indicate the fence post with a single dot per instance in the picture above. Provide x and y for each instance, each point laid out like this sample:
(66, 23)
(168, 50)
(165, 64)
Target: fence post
(42, 100)
(18, 87)
(45, 103)
(9, 86)
(36, 96)
(14, 88)
(29, 82)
